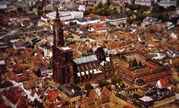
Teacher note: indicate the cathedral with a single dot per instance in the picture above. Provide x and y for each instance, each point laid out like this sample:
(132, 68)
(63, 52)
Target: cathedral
(66, 69)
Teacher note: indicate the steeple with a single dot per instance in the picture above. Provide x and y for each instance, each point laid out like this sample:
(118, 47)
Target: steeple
(58, 31)
(57, 14)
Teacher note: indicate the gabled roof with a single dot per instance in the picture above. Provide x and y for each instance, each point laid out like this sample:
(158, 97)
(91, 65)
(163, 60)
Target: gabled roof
(93, 95)
(52, 95)
(85, 59)
(106, 92)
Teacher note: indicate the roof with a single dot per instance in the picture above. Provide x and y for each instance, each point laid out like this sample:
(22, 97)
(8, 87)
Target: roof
(65, 48)
(106, 92)
(2, 62)
(93, 94)
(82, 20)
(52, 95)
(5, 84)
(4, 45)
(3, 4)
(72, 90)
(12, 94)
(162, 83)
(146, 99)
(85, 59)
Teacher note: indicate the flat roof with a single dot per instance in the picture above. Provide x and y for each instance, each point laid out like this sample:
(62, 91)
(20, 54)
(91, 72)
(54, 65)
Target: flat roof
(146, 99)
(2, 62)
(85, 59)
(65, 48)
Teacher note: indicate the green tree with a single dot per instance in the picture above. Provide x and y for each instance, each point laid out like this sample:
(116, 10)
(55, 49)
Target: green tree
(103, 83)
(177, 2)
(100, 5)
(134, 63)
(88, 87)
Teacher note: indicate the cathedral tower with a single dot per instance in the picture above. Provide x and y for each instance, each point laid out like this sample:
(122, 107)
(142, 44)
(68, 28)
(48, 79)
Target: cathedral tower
(62, 56)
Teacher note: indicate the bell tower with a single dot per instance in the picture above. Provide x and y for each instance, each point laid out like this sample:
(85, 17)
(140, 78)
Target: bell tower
(62, 56)
(58, 31)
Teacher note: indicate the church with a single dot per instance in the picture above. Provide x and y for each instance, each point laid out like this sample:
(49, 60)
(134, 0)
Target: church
(67, 69)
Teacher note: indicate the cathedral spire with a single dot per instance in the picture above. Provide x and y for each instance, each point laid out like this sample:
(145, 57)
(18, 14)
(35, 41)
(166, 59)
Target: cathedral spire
(57, 14)
(58, 31)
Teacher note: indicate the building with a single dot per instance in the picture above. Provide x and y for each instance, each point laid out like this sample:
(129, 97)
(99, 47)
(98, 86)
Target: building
(87, 21)
(67, 69)
(4, 46)
(3, 4)
(92, 67)
(64, 15)
(2, 66)
(140, 71)
(61, 55)
(167, 3)
(164, 3)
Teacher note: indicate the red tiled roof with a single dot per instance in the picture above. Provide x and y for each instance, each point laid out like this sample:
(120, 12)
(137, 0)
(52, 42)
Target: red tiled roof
(128, 106)
(13, 94)
(2, 105)
(52, 95)
(100, 26)
(164, 82)
(105, 92)
(92, 94)
(22, 103)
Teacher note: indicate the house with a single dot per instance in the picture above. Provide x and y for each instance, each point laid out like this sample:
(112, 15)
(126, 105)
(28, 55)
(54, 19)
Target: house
(82, 8)
(164, 3)
(15, 95)
(162, 83)
(117, 21)
(52, 98)
(87, 21)
(106, 95)
(146, 101)
(141, 71)
(100, 27)
(2, 66)
(172, 53)
(102, 97)
(167, 3)
(19, 45)
(46, 50)
(43, 71)
(169, 25)
(4, 46)
(3, 4)
(72, 90)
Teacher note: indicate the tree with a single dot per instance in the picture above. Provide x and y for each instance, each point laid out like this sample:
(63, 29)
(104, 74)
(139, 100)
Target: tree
(108, 2)
(88, 87)
(140, 64)
(132, 2)
(134, 63)
(105, 9)
(103, 83)
(38, 104)
(177, 2)
(100, 5)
